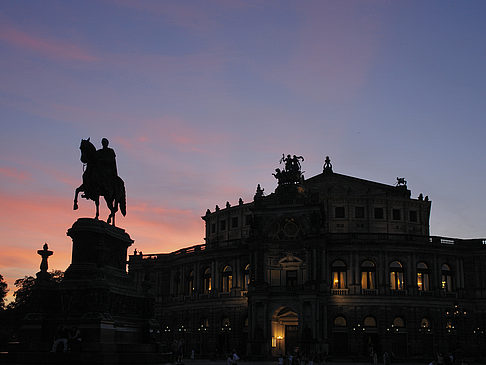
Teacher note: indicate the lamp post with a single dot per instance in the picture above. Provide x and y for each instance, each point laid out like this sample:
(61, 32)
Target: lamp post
(455, 317)
(359, 330)
(202, 330)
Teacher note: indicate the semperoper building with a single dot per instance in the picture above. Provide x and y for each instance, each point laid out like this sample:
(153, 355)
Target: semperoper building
(332, 263)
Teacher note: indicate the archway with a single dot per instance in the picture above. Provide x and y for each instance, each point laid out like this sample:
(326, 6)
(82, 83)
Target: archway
(285, 331)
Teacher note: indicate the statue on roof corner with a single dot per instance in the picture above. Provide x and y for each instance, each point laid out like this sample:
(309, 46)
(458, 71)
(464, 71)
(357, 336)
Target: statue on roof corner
(291, 174)
(327, 165)
(100, 178)
(401, 181)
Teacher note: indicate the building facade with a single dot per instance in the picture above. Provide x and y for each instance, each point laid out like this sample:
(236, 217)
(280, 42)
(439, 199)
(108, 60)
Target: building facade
(330, 264)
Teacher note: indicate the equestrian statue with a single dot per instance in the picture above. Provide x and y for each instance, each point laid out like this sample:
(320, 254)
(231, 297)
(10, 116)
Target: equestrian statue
(100, 178)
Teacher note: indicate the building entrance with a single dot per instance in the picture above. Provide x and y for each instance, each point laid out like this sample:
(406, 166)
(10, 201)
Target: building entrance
(285, 331)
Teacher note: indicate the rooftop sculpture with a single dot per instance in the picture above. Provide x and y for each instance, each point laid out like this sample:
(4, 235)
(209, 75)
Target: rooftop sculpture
(291, 174)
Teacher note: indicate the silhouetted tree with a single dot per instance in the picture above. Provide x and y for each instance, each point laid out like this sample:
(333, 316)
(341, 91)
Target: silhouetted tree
(22, 293)
(25, 285)
(3, 292)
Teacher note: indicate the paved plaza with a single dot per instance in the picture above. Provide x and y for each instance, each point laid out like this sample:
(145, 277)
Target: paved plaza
(275, 362)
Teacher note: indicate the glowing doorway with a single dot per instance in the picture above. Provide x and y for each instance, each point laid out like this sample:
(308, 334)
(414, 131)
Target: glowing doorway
(285, 331)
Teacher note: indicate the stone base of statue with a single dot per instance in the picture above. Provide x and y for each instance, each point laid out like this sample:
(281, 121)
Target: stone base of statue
(97, 292)
(96, 306)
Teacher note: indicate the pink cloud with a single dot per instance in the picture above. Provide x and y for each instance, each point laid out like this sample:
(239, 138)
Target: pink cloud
(52, 48)
(15, 174)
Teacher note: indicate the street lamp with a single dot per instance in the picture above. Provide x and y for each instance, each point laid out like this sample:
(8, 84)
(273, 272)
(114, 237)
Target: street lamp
(455, 317)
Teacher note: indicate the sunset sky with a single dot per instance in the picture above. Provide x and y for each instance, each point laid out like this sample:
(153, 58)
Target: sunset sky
(199, 100)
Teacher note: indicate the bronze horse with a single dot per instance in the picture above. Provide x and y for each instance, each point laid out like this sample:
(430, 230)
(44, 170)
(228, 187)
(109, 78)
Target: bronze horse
(93, 185)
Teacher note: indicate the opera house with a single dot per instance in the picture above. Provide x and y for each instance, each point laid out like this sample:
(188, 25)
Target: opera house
(331, 263)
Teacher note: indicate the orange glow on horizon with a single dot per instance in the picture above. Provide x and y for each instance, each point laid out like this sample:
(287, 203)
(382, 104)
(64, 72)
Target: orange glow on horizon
(154, 230)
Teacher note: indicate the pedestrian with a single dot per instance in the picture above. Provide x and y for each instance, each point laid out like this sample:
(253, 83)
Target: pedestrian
(386, 358)
(235, 357)
(61, 338)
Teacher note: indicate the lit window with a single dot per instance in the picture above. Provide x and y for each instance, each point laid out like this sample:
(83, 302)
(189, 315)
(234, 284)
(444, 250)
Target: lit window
(398, 322)
(424, 323)
(340, 321)
(449, 324)
(423, 281)
(246, 277)
(369, 322)
(207, 280)
(446, 278)
(225, 324)
(396, 276)
(227, 279)
(339, 275)
(368, 275)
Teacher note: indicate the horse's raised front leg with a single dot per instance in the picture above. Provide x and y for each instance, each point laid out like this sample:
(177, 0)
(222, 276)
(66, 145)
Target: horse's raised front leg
(97, 203)
(76, 192)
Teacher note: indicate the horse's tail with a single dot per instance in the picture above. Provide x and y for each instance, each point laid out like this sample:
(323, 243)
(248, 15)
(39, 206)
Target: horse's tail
(123, 197)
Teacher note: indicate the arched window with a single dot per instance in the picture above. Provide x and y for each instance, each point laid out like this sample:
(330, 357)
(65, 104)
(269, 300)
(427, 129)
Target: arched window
(446, 278)
(368, 275)
(423, 281)
(398, 322)
(369, 322)
(225, 324)
(396, 276)
(425, 323)
(449, 325)
(338, 275)
(340, 321)
(190, 282)
(203, 324)
(207, 280)
(246, 277)
(227, 279)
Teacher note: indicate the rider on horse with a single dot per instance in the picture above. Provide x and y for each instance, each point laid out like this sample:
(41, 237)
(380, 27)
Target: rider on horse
(107, 166)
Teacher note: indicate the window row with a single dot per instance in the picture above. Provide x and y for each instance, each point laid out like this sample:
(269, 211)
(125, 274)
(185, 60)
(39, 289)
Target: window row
(378, 213)
(370, 322)
(396, 276)
(234, 222)
(207, 281)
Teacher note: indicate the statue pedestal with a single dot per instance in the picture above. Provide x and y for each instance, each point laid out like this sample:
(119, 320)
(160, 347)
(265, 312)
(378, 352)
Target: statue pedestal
(97, 247)
(98, 296)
